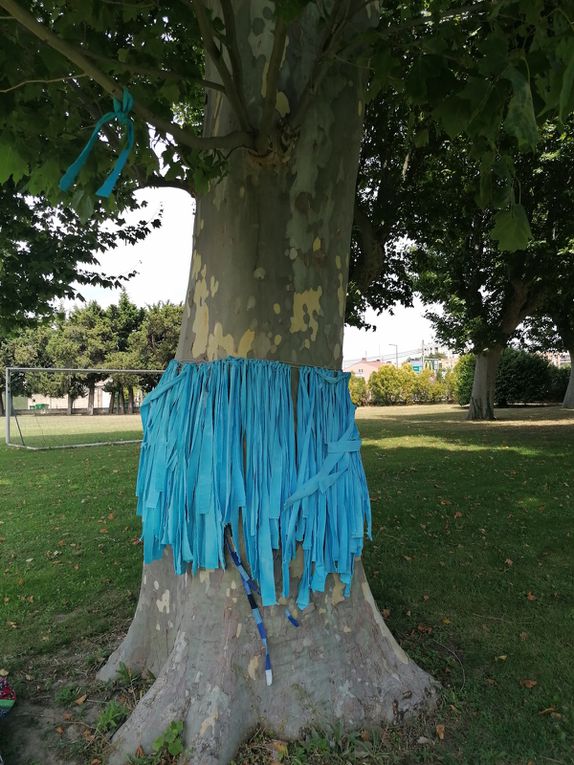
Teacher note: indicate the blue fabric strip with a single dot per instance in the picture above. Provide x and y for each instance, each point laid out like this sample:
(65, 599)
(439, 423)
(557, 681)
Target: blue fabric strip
(121, 113)
(221, 449)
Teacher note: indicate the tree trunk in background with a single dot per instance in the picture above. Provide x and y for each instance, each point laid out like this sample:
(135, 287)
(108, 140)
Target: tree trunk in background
(91, 396)
(568, 402)
(121, 402)
(131, 402)
(2, 409)
(70, 408)
(112, 401)
(268, 280)
(483, 385)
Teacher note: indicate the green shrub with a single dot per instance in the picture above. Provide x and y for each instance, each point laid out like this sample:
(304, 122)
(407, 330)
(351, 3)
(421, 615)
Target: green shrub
(390, 385)
(386, 386)
(522, 378)
(462, 377)
(358, 390)
(559, 377)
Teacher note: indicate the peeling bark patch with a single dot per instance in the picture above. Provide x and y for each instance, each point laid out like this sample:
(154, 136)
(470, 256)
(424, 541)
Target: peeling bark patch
(246, 343)
(276, 308)
(337, 596)
(252, 668)
(163, 603)
(238, 630)
(306, 308)
(209, 722)
(259, 273)
(201, 319)
(397, 650)
(282, 104)
(156, 585)
(219, 340)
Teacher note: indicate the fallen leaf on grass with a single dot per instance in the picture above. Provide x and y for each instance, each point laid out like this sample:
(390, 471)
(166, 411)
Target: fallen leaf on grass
(509, 561)
(547, 711)
(458, 515)
(80, 700)
(424, 629)
(527, 683)
(440, 731)
(386, 612)
(531, 596)
(523, 635)
(59, 730)
(446, 620)
(140, 752)
(504, 657)
(4, 673)
(67, 716)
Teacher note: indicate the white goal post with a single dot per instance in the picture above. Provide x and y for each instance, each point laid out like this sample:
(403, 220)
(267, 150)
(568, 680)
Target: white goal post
(47, 425)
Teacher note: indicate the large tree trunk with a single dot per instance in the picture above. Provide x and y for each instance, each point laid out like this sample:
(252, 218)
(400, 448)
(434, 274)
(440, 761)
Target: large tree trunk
(268, 280)
(568, 402)
(122, 402)
(70, 408)
(91, 397)
(112, 402)
(483, 385)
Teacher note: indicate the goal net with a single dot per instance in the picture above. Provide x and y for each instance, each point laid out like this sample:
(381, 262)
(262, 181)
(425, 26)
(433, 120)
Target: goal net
(54, 408)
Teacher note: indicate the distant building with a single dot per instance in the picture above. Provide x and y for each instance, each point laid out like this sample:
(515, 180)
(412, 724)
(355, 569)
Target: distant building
(365, 368)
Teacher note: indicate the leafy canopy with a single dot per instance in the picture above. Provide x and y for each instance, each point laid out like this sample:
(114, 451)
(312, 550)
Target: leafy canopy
(492, 70)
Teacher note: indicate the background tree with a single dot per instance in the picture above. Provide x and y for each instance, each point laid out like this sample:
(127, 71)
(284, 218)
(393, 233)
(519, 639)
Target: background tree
(486, 293)
(552, 329)
(282, 127)
(47, 252)
(154, 343)
(83, 339)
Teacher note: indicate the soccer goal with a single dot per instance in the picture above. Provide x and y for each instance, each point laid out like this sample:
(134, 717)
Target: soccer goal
(57, 408)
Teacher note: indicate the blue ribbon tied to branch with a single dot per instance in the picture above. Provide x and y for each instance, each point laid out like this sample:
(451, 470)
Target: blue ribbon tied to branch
(121, 113)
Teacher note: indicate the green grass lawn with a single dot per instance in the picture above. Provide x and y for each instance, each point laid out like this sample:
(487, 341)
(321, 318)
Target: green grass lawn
(471, 559)
(39, 430)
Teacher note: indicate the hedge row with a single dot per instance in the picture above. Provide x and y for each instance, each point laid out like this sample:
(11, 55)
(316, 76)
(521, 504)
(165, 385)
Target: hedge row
(522, 378)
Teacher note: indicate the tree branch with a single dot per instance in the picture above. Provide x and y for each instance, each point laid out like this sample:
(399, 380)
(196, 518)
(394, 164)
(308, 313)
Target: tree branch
(232, 47)
(322, 62)
(45, 82)
(150, 72)
(371, 265)
(271, 83)
(216, 55)
(77, 57)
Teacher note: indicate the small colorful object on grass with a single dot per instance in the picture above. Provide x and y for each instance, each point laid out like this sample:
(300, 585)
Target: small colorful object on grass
(7, 697)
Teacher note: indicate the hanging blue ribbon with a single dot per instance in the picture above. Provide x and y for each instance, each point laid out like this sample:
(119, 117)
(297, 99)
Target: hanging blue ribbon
(121, 113)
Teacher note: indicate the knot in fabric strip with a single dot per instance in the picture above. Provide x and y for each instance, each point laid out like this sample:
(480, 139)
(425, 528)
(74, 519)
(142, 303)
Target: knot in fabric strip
(121, 114)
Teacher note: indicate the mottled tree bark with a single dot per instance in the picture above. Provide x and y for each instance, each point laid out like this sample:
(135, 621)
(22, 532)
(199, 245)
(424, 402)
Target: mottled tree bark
(268, 280)
(70, 408)
(568, 402)
(483, 385)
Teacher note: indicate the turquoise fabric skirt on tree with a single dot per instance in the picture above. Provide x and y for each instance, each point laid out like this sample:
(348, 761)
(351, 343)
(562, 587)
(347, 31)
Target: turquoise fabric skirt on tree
(224, 447)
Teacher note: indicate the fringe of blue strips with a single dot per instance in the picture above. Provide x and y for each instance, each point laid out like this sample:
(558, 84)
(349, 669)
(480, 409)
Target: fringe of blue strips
(221, 451)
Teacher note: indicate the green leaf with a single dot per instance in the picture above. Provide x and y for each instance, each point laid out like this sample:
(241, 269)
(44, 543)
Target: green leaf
(11, 164)
(421, 138)
(567, 90)
(511, 229)
(453, 114)
(520, 119)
